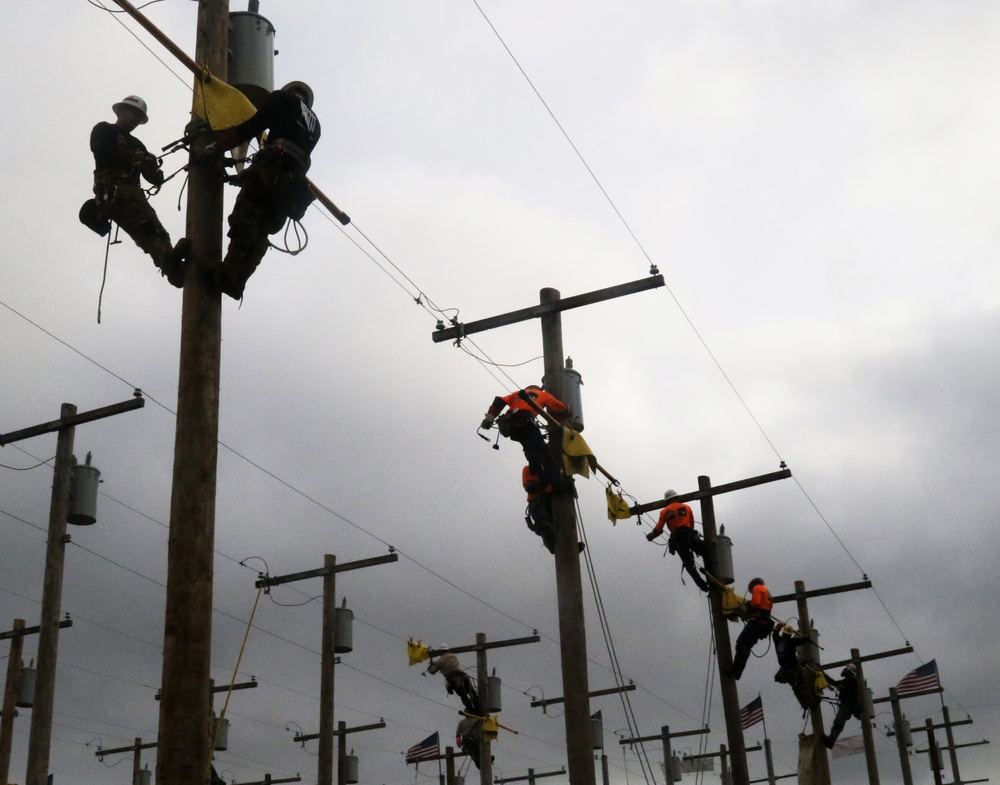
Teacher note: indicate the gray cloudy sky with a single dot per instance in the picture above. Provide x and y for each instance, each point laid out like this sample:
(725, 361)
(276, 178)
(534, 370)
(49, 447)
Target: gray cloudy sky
(815, 180)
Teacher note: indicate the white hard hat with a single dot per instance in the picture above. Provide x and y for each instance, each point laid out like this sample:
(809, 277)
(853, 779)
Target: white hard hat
(303, 88)
(669, 493)
(134, 102)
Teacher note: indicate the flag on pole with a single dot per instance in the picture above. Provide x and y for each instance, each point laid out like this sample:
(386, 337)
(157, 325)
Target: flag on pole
(425, 750)
(752, 713)
(852, 745)
(923, 678)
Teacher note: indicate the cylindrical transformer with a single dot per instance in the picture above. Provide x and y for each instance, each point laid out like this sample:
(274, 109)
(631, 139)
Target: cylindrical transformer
(869, 701)
(904, 731)
(459, 779)
(351, 768)
(26, 687)
(675, 768)
(572, 382)
(724, 559)
(597, 729)
(494, 702)
(220, 732)
(810, 651)
(251, 55)
(83, 483)
(145, 777)
(343, 619)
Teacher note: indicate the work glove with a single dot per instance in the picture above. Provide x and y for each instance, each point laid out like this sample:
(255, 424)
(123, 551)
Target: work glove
(486, 424)
(155, 176)
(651, 536)
(207, 155)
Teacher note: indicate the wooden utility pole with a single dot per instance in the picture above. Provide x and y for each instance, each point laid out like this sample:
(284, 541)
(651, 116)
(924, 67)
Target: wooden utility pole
(40, 735)
(530, 777)
(900, 723)
(866, 720)
(185, 730)
(483, 682)
(329, 646)
(9, 698)
(665, 736)
(569, 586)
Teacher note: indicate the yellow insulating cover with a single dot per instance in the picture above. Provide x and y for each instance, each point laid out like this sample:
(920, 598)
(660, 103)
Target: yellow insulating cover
(618, 509)
(732, 604)
(219, 104)
(577, 456)
(821, 682)
(418, 652)
(490, 729)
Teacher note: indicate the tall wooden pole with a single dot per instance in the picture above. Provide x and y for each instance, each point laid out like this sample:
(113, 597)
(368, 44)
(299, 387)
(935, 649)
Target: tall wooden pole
(866, 720)
(934, 753)
(40, 735)
(724, 652)
(569, 585)
(10, 689)
(483, 679)
(952, 752)
(137, 761)
(327, 659)
(809, 658)
(668, 756)
(769, 760)
(897, 717)
(185, 729)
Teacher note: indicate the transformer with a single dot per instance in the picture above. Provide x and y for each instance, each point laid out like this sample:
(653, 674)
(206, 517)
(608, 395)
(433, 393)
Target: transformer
(83, 483)
(251, 54)
(343, 619)
(724, 559)
(350, 772)
(26, 687)
(494, 702)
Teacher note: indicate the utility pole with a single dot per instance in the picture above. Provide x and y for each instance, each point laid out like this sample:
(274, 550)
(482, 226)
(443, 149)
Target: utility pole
(569, 586)
(9, 698)
(328, 652)
(665, 736)
(900, 723)
(530, 777)
(40, 736)
(866, 720)
(185, 732)
(706, 494)
(483, 681)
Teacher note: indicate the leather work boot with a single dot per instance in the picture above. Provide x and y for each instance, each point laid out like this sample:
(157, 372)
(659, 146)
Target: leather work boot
(172, 265)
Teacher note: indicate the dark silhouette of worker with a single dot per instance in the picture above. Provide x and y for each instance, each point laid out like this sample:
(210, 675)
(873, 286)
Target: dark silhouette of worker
(119, 160)
(758, 624)
(456, 680)
(684, 539)
(468, 735)
(848, 702)
(538, 514)
(786, 644)
(274, 187)
(519, 425)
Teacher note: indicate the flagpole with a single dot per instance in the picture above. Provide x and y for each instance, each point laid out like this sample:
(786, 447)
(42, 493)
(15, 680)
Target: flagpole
(763, 720)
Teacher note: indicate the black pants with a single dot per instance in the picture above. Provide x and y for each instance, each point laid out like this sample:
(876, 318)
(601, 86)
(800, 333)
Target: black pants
(685, 542)
(525, 431)
(460, 684)
(756, 629)
(845, 710)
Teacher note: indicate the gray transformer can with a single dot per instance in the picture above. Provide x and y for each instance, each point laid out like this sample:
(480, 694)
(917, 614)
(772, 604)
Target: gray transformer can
(343, 621)
(251, 55)
(724, 559)
(572, 397)
(83, 484)
(494, 702)
(351, 768)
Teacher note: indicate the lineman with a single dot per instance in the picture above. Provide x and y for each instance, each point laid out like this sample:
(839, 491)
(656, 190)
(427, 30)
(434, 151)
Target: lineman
(456, 680)
(848, 702)
(519, 425)
(684, 539)
(538, 514)
(119, 160)
(467, 737)
(274, 188)
(758, 624)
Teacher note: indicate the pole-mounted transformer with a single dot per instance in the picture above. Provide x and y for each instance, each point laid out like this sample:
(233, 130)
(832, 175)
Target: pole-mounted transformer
(251, 54)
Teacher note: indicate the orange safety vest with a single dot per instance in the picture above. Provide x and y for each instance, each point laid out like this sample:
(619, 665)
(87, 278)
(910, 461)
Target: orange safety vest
(761, 598)
(527, 478)
(674, 516)
(516, 403)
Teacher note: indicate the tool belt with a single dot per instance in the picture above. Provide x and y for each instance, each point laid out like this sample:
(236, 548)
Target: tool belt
(290, 152)
(508, 422)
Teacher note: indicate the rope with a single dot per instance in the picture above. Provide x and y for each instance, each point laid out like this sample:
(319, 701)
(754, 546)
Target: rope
(222, 714)
(104, 275)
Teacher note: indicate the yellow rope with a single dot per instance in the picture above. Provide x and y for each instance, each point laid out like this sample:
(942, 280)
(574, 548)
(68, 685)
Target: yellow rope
(232, 681)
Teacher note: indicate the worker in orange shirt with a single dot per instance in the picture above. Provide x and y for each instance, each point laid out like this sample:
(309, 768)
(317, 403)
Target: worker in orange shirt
(684, 539)
(519, 425)
(759, 624)
(538, 514)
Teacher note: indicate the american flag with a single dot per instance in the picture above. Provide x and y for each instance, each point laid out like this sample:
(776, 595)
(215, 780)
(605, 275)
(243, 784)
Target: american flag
(425, 750)
(923, 678)
(752, 713)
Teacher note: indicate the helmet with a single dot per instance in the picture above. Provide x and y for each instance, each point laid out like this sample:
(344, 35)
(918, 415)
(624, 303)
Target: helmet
(135, 102)
(301, 87)
(851, 669)
(442, 647)
(669, 493)
(755, 582)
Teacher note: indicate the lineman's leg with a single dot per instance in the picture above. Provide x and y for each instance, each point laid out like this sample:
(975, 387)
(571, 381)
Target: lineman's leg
(131, 211)
(687, 558)
(248, 228)
(843, 714)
